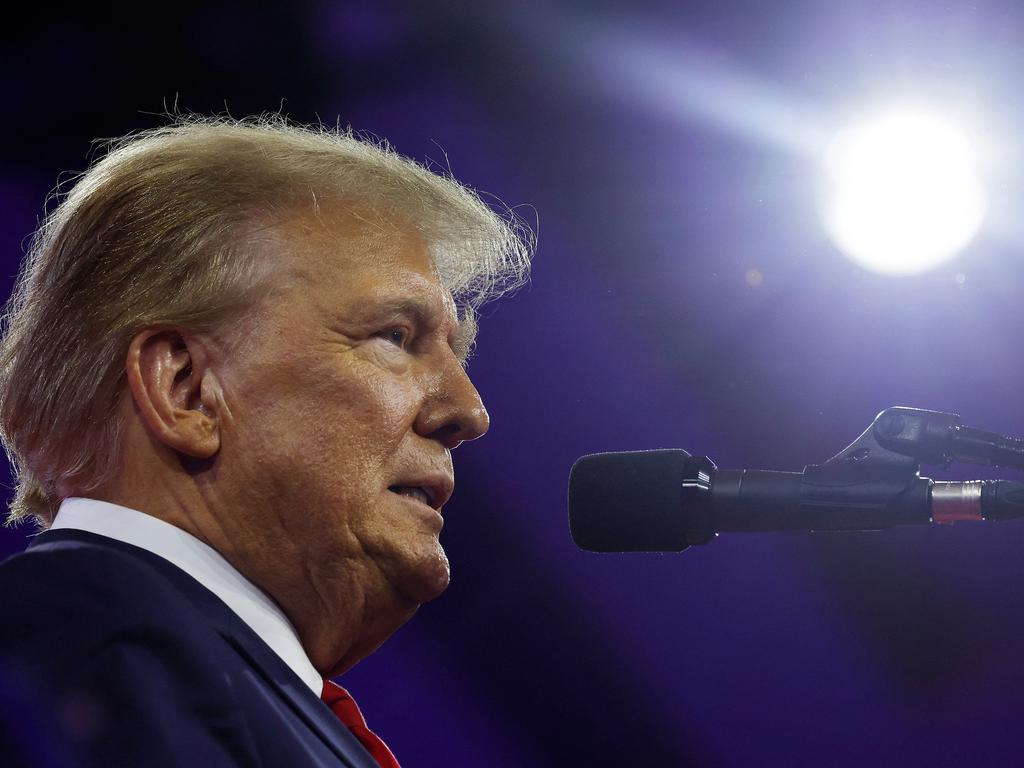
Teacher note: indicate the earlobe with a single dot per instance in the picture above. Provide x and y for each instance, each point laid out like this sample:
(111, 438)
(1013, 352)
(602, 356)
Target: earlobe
(175, 391)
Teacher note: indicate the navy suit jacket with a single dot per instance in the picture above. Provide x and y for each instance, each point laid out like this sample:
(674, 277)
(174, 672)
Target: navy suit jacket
(133, 663)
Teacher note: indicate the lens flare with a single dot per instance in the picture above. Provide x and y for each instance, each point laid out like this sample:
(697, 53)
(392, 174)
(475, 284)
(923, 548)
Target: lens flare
(903, 194)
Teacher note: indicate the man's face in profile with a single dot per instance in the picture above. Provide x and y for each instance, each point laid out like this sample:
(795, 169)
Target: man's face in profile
(345, 395)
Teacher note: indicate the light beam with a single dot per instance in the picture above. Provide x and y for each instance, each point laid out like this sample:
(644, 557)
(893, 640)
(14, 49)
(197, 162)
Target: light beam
(903, 194)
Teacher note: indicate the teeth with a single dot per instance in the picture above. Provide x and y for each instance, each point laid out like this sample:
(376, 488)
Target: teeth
(414, 493)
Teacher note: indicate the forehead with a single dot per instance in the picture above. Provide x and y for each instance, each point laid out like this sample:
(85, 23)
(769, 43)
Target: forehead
(341, 259)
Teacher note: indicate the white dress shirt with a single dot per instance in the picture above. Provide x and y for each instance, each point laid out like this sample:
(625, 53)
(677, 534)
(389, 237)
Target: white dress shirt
(202, 563)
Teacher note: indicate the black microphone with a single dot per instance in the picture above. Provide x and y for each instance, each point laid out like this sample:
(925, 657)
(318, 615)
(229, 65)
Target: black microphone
(667, 500)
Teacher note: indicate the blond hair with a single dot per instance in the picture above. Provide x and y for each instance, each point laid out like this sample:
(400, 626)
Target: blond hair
(154, 234)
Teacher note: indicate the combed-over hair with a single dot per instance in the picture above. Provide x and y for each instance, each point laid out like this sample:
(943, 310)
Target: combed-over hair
(154, 234)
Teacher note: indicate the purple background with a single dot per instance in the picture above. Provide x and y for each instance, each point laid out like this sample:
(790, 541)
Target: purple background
(668, 149)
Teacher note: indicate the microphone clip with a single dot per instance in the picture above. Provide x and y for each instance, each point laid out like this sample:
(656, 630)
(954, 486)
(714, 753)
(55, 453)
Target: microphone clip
(934, 437)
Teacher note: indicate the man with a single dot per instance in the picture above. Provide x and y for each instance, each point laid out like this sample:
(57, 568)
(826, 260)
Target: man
(230, 383)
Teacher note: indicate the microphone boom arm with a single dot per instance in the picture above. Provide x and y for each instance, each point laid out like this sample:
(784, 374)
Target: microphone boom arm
(873, 483)
(934, 437)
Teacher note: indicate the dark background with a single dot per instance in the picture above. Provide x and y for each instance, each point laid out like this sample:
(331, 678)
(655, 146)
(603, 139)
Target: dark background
(684, 295)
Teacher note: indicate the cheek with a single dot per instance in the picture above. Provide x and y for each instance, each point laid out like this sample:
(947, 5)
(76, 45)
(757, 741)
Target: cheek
(350, 430)
(331, 421)
(374, 407)
(393, 403)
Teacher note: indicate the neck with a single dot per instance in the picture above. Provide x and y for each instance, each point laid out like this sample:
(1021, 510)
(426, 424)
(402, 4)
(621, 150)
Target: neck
(338, 622)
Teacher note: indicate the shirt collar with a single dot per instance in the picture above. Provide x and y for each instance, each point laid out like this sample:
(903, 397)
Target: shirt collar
(202, 563)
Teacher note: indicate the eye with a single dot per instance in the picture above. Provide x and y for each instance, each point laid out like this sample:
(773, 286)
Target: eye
(397, 336)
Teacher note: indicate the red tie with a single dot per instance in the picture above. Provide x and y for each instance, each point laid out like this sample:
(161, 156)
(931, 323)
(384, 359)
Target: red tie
(346, 709)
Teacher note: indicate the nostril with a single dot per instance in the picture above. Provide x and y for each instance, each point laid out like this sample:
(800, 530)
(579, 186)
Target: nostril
(450, 435)
(449, 430)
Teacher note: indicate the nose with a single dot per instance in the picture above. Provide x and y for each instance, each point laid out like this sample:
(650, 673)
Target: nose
(453, 411)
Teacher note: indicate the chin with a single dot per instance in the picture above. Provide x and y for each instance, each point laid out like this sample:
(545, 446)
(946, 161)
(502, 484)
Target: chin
(428, 579)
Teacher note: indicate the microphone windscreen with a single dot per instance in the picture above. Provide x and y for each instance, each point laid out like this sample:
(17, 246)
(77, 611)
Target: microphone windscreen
(628, 502)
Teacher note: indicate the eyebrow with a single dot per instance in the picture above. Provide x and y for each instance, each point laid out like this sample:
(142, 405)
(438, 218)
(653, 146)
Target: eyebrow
(421, 311)
(463, 343)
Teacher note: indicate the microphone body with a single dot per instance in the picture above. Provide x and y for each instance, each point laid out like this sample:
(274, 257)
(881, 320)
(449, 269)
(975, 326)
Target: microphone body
(667, 500)
(758, 500)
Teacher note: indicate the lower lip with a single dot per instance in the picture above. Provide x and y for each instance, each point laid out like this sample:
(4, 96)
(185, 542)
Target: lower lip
(424, 509)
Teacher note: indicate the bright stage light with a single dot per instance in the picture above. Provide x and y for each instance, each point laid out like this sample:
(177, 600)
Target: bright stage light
(903, 194)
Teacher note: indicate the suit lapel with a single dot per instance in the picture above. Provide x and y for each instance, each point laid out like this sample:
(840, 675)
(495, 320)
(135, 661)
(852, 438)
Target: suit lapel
(277, 675)
(317, 715)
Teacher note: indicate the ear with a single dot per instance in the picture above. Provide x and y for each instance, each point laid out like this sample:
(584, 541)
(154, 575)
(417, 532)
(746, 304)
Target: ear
(171, 380)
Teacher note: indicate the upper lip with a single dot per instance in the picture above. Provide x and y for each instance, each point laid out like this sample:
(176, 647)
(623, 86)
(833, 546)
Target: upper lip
(438, 487)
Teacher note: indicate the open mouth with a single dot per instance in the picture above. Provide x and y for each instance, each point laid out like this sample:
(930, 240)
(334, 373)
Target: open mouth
(416, 492)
